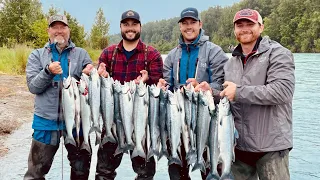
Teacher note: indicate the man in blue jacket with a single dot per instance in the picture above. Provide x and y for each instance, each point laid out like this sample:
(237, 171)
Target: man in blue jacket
(45, 71)
(194, 60)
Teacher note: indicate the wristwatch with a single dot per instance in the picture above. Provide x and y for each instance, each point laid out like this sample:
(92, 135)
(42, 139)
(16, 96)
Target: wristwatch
(46, 69)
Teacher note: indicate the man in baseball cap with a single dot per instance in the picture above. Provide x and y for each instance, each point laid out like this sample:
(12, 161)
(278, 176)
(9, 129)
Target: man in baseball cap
(189, 13)
(58, 18)
(249, 14)
(267, 77)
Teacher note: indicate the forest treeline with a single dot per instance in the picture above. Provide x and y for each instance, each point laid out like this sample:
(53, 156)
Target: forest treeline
(293, 23)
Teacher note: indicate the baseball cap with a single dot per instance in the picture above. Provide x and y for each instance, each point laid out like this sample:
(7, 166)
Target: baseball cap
(130, 14)
(251, 15)
(57, 17)
(190, 13)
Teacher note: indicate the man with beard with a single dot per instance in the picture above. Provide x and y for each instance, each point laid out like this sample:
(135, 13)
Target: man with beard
(45, 71)
(131, 59)
(193, 61)
(260, 83)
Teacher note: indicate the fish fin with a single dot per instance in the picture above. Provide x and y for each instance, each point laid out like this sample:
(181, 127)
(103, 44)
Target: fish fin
(191, 157)
(98, 138)
(163, 152)
(119, 150)
(108, 138)
(228, 176)
(95, 128)
(70, 140)
(150, 153)
(138, 152)
(129, 147)
(86, 147)
(199, 165)
(213, 177)
(174, 160)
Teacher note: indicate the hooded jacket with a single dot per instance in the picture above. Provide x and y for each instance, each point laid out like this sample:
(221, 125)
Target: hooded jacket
(263, 102)
(209, 66)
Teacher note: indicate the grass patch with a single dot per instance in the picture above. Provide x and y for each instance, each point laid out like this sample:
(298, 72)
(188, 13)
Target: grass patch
(94, 55)
(14, 61)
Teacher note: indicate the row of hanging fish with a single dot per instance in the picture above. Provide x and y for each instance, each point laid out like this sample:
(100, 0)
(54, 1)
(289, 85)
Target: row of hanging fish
(145, 119)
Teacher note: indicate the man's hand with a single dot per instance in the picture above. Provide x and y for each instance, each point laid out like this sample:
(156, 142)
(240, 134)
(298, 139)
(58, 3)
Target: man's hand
(229, 90)
(143, 77)
(193, 81)
(162, 84)
(102, 70)
(88, 69)
(55, 68)
(203, 86)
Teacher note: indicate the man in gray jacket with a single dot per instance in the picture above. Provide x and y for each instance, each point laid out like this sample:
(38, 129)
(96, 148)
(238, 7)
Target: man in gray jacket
(46, 69)
(260, 84)
(194, 60)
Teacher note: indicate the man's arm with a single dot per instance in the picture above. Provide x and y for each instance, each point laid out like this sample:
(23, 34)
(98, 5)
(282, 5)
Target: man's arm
(280, 82)
(155, 67)
(217, 60)
(38, 79)
(168, 68)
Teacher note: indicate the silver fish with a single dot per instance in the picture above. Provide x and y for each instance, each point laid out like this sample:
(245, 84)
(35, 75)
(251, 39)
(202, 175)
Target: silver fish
(77, 107)
(126, 110)
(163, 123)
(118, 120)
(205, 104)
(68, 107)
(226, 138)
(94, 99)
(154, 115)
(85, 111)
(188, 93)
(175, 127)
(107, 108)
(213, 147)
(140, 119)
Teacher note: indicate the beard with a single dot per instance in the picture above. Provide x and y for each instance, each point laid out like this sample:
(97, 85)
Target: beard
(60, 41)
(247, 37)
(136, 36)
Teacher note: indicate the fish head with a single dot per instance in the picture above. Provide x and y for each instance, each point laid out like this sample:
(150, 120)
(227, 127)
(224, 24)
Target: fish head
(224, 106)
(117, 86)
(67, 82)
(154, 91)
(141, 89)
(133, 87)
(172, 97)
(163, 94)
(125, 88)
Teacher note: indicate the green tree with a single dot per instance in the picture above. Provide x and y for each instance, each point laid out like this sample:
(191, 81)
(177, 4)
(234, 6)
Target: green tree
(17, 18)
(77, 33)
(99, 31)
(39, 32)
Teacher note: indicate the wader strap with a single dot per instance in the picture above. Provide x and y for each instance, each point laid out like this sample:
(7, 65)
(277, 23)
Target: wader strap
(145, 58)
(115, 51)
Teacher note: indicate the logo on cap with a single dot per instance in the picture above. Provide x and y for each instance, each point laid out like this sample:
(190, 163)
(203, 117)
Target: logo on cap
(246, 12)
(130, 13)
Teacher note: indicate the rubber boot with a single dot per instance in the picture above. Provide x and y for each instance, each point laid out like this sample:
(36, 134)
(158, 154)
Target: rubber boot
(79, 161)
(40, 160)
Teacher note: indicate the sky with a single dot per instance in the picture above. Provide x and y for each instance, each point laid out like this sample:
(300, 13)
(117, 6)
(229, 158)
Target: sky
(85, 11)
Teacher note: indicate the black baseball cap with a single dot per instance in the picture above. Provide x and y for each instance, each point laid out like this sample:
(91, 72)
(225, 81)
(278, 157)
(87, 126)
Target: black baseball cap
(130, 14)
(189, 13)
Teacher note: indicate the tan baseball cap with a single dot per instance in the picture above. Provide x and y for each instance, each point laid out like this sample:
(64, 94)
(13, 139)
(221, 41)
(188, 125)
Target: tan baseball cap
(57, 17)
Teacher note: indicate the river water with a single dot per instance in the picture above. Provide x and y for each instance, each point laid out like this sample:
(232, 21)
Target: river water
(304, 158)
